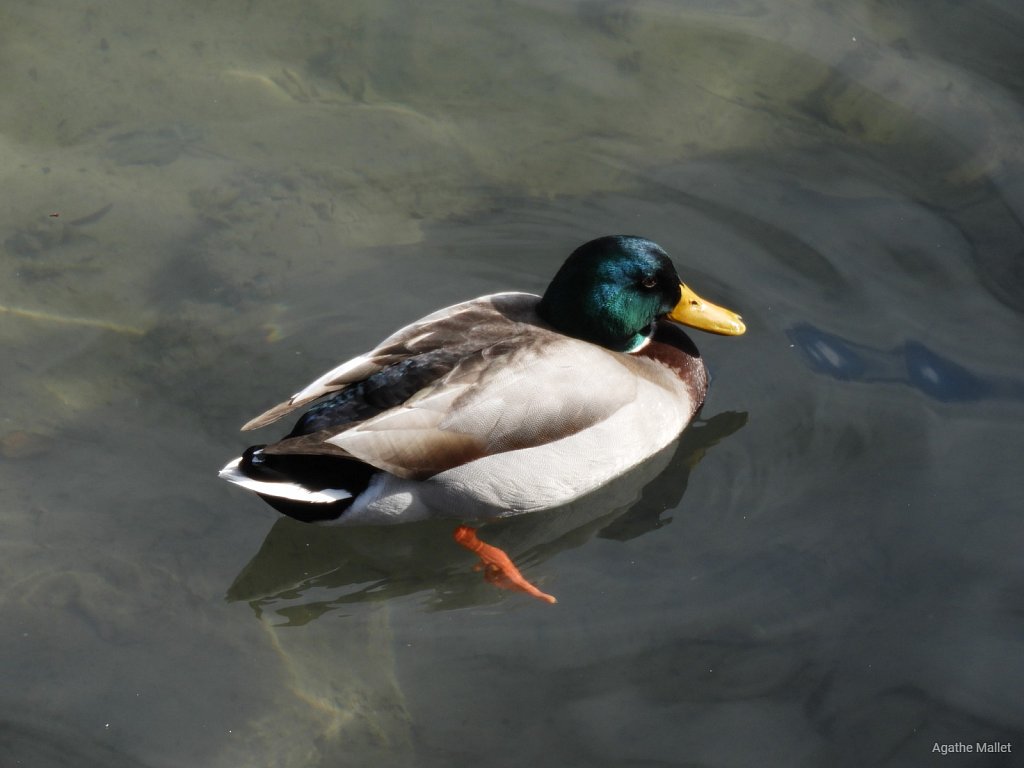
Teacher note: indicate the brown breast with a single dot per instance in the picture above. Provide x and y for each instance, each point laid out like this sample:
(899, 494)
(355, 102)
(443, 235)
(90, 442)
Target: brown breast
(673, 348)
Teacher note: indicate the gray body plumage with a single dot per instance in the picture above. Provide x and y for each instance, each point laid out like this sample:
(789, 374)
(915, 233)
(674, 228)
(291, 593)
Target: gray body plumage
(494, 413)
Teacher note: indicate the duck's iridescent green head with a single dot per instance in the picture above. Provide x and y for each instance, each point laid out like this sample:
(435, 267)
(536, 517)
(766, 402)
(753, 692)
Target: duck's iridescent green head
(610, 291)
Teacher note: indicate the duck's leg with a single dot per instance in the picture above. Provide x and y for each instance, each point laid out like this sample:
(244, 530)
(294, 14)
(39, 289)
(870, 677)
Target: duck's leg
(498, 567)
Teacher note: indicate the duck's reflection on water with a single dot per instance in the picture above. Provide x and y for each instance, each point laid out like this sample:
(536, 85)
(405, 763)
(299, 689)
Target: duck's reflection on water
(303, 571)
(911, 363)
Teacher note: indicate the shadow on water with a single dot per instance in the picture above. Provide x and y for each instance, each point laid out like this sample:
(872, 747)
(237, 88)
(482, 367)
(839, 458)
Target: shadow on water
(912, 364)
(302, 571)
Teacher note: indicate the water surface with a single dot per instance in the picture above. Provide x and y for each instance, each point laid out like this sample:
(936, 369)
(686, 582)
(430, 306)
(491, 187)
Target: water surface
(210, 204)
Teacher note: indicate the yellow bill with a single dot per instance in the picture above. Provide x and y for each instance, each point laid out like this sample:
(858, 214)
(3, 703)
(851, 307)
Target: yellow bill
(694, 311)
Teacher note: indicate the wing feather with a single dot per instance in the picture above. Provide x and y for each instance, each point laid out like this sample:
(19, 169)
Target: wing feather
(523, 392)
(459, 329)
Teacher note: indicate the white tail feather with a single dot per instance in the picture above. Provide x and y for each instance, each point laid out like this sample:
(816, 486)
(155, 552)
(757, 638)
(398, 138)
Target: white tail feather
(292, 491)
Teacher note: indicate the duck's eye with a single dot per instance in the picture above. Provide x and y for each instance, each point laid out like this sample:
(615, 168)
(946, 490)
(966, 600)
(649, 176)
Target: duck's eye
(648, 282)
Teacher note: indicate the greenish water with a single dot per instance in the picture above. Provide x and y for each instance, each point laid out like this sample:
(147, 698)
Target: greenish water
(207, 205)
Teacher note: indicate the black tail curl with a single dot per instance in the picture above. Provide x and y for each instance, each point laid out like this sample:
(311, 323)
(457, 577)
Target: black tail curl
(314, 472)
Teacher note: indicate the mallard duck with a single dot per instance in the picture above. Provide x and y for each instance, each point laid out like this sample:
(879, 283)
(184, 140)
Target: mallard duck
(502, 405)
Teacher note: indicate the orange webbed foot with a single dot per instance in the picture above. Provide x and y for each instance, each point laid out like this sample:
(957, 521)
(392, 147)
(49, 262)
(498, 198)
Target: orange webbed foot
(498, 567)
